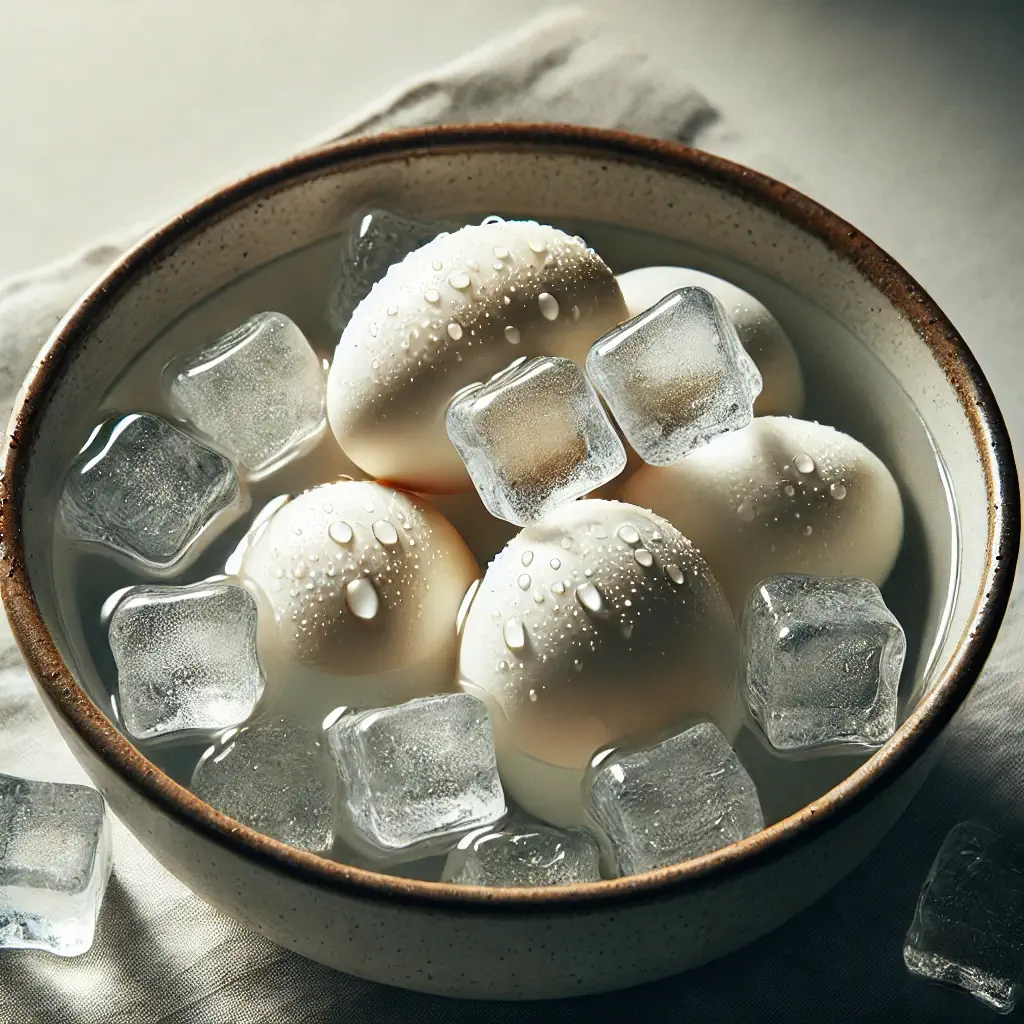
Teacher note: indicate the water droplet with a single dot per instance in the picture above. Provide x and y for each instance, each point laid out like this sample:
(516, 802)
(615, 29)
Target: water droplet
(548, 306)
(368, 506)
(557, 588)
(536, 245)
(838, 491)
(454, 331)
(495, 615)
(299, 570)
(502, 666)
(375, 365)
(373, 329)
(577, 664)
(514, 634)
(437, 265)
(328, 507)
(533, 695)
(392, 310)
(432, 295)
(789, 490)
(644, 557)
(590, 598)
(627, 629)
(804, 463)
(675, 574)
(628, 534)
(655, 536)
(555, 563)
(538, 596)
(340, 532)
(745, 510)
(512, 335)
(385, 532)
(362, 598)
(808, 530)
(575, 313)
(500, 252)
(525, 582)
(472, 264)
(459, 280)
(527, 558)
(566, 542)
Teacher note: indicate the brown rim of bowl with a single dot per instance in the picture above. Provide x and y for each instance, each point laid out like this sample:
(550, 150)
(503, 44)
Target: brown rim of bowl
(878, 773)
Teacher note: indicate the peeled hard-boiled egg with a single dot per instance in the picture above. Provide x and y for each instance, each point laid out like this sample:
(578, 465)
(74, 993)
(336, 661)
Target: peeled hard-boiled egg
(358, 587)
(779, 496)
(453, 312)
(765, 341)
(599, 624)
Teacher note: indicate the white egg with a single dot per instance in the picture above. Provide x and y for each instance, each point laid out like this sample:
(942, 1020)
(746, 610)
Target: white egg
(598, 625)
(359, 586)
(759, 331)
(781, 495)
(456, 311)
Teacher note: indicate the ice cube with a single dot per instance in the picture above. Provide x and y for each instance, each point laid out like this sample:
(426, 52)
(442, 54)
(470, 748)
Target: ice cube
(524, 855)
(533, 438)
(666, 803)
(968, 929)
(376, 240)
(675, 376)
(186, 658)
(257, 392)
(417, 777)
(150, 492)
(55, 859)
(823, 657)
(273, 777)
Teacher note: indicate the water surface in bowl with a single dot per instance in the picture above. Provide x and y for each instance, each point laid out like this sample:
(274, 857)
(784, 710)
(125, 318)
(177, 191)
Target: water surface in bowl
(846, 388)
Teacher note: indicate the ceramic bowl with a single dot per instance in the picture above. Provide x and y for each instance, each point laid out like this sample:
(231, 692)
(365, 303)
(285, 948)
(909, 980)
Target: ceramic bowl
(910, 383)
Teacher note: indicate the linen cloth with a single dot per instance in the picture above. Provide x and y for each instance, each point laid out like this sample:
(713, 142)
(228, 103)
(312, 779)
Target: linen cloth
(162, 955)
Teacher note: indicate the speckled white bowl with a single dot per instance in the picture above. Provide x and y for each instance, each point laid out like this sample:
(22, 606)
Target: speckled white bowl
(527, 943)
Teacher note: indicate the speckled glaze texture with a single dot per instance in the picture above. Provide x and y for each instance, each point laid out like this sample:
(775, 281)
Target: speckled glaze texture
(467, 941)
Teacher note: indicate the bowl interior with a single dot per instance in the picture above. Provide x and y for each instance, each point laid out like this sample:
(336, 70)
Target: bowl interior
(277, 248)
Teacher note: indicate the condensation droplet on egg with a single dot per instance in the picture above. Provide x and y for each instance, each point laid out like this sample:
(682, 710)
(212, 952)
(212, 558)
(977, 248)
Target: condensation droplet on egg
(299, 570)
(804, 463)
(362, 598)
(512, 335)
(590, 598)
(575, 313)
(557, 588)
(472, 264)
(432, 295)
(502, 666)
(627, 629)
(566, 542)
(577, 664)
(527, 558)
(525, 582)
(555, 563)
(459, 280)
(789, 490)
(340, 532)
(368, 506)
(385, 532)
(808, 530)
(838, 491)
(328, 508)
(437, 265)
(514, 634)
(548, 306)
(644, 557)
(392, 311)
(533, 695)
(538, 597)
(454, 331)
(628, 534)
(536, 245)
(745, 510)
(675, 574)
